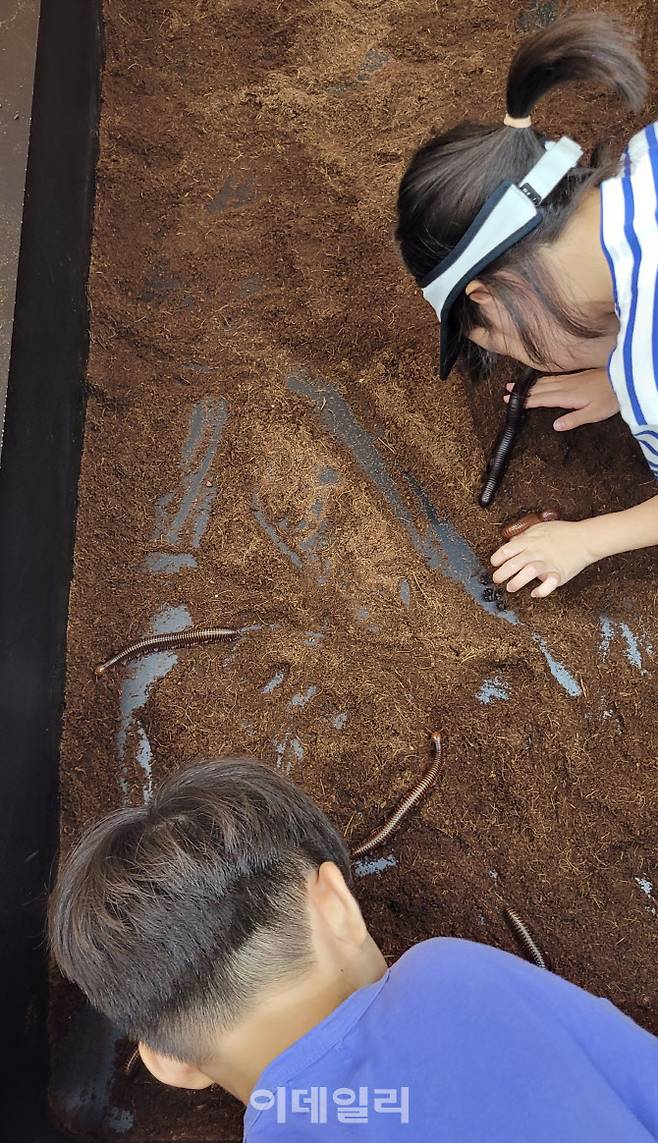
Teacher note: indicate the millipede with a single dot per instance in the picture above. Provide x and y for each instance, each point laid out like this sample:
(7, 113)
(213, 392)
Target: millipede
(503, 448)
(150, 643)
(407, 804)
(523, 937)
(131, 1063)
(516, 527)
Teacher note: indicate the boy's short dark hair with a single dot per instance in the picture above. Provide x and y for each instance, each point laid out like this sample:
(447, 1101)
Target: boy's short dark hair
(173, 917)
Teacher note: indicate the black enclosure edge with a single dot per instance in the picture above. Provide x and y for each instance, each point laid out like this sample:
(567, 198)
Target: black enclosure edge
(38, 484)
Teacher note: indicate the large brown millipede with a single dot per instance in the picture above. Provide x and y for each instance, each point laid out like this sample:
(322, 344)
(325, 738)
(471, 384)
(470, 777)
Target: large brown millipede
(523, 937)
(528, 520)
(160, 642)
(414, 796)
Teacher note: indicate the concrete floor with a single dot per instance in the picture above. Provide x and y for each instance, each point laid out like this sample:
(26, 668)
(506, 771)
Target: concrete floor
(19, 21)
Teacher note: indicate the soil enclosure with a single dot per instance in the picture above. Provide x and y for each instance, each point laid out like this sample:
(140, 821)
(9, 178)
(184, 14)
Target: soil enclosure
(268, 446)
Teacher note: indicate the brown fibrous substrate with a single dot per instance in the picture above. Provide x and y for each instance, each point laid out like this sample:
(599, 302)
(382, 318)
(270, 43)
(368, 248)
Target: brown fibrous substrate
(249, 161)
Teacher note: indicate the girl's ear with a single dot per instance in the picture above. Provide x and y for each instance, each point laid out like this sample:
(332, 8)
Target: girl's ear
(478, 292)
(173, 1072)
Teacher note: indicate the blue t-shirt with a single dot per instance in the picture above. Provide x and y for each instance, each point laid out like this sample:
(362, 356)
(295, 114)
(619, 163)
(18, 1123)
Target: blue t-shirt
(463, 1043)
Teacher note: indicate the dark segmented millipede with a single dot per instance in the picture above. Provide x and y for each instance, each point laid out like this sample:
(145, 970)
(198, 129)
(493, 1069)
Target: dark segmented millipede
(414, 796)
(523, 937)
(503, 448)
(172, 639)
(528, 520)
(131, 1063)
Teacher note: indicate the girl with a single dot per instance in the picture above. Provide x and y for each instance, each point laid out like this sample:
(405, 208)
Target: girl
(523, 250)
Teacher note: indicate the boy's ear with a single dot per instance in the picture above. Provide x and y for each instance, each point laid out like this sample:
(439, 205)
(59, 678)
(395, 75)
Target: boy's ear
(336, 903)
(173, 1072)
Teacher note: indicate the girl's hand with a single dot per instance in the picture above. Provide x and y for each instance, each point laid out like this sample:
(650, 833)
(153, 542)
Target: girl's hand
(552, 553)
(588, 393)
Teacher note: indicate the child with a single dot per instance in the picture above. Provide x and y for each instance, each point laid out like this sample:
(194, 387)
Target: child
(216, 926)
(523, 250)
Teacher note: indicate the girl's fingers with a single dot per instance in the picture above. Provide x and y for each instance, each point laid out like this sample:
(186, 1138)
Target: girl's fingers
(507, 551)
(549, 401)
(556, 385)
(550, 398)
(554, 380)
(573, 420)
(527, 573)
(510, 568)
(540, 382)
(545, 588)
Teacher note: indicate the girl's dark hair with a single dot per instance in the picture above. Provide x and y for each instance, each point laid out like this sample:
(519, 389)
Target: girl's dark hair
(173, 917)
(449, 179)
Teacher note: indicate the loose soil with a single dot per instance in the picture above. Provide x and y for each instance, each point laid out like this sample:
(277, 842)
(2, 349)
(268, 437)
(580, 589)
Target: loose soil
(244, 283)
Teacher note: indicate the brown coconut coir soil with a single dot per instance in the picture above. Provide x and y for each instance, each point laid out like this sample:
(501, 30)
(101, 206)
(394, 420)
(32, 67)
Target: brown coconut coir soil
(267, 444)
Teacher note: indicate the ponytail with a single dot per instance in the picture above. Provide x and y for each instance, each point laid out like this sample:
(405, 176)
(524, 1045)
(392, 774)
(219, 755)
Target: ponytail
(450, 178)
(581, 47)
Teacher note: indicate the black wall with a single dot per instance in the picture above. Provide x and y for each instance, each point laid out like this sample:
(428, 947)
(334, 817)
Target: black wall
(38, 479)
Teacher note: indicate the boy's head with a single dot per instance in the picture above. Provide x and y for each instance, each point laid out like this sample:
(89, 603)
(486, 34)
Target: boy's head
(178, 919)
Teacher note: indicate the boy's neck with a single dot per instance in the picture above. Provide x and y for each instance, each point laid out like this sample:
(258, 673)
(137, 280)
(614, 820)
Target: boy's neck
(286, 1015)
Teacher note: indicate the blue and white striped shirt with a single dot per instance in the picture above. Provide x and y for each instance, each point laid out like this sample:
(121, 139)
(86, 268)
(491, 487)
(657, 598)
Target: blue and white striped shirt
(629, 237)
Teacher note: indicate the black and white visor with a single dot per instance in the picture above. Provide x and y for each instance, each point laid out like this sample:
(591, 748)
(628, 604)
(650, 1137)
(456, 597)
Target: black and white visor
(511, 212)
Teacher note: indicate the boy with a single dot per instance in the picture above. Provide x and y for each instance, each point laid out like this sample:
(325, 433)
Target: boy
(216, 926)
